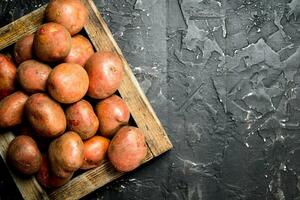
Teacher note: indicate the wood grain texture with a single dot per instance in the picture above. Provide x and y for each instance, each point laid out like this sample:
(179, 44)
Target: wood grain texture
(140, 108)
(29, 188)
(27, 24)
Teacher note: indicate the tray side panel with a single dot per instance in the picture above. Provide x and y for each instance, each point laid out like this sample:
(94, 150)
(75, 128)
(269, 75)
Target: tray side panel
(28, 24)
(130, 90)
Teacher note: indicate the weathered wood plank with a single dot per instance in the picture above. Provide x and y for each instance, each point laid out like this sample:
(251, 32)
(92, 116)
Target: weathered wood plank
(130, 90)
(29, 187)
(27, 24)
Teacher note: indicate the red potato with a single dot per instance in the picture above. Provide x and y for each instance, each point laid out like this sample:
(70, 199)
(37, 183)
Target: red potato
(45, 116)
(47, 179)
(23, 49)
(112, 113)
(105, 70)
(24, 155)
(127, 149)
(52, 42)
(95, 150)
(12, 109)
(66, 154)
(8, 76)
(82, 119)
(81, 50)
(33, 75)
(70, 13)
(68, 83)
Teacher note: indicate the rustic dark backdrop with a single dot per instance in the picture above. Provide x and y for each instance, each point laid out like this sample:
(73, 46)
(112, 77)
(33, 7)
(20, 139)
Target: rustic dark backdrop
(224, 78)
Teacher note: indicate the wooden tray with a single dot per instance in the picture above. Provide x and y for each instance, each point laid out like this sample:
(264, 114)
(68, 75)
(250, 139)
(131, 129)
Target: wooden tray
(140, 109)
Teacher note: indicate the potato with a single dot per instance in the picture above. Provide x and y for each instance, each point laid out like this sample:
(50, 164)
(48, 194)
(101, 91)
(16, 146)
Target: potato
(127, 149)
(81, 50)
(47, 179)
(105, 70)
(66, 154)
(68, 83)
(112, 113)
(11, 109)
(82, 119)
(71, 13)
(45, 115)
(33, 75)
(23, 155)
(8, 75)
(52, 42)
(94, 151)
(23, 49)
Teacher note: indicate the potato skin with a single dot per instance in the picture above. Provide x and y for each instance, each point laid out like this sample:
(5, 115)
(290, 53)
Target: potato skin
(127, 149)
(112, 113)
(12, 109)
(33, 75)
(24, 155)
(68, 83)
(8, 76)
(52, 42)
(23, 49)
(45, 116)
(95, 150)
(66, 154)
(105, 70)
(47, 179)
(81, 50)
(82, 119)
(70, 13)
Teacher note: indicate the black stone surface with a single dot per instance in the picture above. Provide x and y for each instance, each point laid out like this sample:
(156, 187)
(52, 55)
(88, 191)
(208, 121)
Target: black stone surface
(224, 78)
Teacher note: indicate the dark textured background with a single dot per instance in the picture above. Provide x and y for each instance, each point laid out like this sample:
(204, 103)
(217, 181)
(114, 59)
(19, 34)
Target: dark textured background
(224, 78)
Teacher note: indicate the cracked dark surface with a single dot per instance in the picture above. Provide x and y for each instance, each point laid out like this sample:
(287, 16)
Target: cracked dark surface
(224, 79)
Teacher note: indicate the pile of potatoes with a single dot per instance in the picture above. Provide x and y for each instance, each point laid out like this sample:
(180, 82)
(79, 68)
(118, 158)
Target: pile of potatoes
(59, 97)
